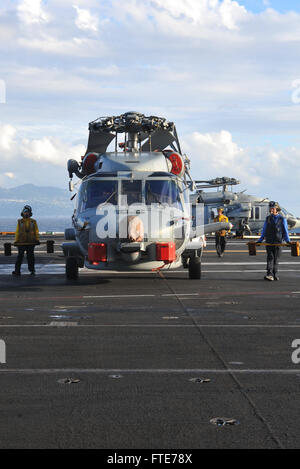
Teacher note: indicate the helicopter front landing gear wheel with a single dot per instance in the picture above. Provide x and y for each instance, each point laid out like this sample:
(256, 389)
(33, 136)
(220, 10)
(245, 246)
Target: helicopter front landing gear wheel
(195, 268)
(71, 268)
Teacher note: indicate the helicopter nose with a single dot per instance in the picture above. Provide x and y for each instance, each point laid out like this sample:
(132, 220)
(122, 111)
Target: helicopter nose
(293, 222)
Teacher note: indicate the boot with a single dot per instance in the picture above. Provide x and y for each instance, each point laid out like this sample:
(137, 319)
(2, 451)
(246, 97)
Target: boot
(269, 277)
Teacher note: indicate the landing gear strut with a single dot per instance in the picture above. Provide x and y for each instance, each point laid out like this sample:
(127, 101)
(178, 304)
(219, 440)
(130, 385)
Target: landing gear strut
(195, 268)
(71, 268)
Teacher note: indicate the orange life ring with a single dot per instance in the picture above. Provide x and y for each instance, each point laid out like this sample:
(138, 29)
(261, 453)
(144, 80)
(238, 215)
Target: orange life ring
(177, 163)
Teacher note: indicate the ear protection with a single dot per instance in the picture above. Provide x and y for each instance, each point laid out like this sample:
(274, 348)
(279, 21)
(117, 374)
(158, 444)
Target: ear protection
(273, 204)
(28, 209)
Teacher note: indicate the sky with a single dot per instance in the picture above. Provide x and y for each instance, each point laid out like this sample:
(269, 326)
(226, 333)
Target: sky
(226, 72)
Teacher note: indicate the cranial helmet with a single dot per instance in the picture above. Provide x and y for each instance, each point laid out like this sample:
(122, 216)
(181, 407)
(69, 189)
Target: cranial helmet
(273, 204)
(27, 209)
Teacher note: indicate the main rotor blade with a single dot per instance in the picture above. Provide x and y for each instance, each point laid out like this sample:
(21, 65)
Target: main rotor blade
(160, 139)
(99, 141)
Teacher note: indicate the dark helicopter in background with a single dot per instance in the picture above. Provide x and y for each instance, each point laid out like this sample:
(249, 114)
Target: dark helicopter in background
(246, 212)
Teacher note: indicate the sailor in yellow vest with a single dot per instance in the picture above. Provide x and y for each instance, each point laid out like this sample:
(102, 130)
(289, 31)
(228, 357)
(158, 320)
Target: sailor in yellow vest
(27, 236)
(220, 235)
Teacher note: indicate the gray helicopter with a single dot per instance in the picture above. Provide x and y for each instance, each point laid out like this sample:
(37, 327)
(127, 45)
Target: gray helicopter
(246, 212)
(132, 206)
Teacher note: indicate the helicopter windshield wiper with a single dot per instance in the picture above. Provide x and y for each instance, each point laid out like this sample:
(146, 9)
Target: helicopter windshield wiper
(108, 199)
(155, 197)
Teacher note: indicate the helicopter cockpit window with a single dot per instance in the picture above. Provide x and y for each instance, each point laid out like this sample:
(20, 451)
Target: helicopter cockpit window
(100, 192)
(163, 192)
(133, 191)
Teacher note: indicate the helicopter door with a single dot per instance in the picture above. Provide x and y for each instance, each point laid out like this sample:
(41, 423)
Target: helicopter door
(257, 213)
(213, 214)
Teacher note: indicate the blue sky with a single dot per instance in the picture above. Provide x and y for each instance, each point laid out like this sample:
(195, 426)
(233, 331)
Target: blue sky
(227, 73)
(282, 6)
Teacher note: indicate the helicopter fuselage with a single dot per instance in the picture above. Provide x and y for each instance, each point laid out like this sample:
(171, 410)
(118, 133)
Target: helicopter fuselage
(129, 217)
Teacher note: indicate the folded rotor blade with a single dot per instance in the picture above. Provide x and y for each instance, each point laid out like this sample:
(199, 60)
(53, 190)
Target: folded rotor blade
(160, 139)
(99, 141)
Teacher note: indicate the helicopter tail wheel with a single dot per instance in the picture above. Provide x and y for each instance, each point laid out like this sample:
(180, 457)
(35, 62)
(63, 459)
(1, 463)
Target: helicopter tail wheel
(195, 268)
(71, 268)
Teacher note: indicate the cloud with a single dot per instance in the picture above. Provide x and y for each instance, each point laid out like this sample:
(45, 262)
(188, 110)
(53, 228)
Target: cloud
(53, 34)
(264, 170)
(85, 20)
(184, 18)
(37, 161)
(205, 13)
(75, 46)
(32, 12)
(50, 80)
(10, 175)
(216, 154)
(106, 71)
(51, 150)
(46, 149)
(231, 14)
(7, 134)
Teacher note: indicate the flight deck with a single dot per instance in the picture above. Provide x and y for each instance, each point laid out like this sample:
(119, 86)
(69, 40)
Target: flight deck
(153, 360)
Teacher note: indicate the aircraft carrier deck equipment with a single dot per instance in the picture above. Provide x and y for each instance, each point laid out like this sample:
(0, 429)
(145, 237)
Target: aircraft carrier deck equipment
(49, 243)
(294, 245)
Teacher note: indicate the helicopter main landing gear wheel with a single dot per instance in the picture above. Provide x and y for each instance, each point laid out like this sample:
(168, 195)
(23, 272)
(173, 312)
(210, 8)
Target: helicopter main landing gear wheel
(195, 268)
(71, 268)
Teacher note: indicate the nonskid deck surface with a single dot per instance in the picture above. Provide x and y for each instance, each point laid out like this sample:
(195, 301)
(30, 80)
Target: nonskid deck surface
(137, 346)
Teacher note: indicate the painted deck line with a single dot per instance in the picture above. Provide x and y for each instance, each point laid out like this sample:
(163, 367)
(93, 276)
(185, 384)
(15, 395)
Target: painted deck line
(63, 324)
(146, 326)
(117, 296)
(38, 371)
(180, 294)
(201, 295)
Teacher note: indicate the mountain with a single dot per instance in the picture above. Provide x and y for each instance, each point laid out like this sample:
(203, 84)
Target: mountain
(45, 201)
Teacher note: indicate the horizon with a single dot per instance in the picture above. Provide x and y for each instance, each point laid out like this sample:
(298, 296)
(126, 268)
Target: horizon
(67, 193)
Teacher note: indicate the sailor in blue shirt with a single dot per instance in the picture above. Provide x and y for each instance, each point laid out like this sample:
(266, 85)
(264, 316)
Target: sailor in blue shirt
(275, 230)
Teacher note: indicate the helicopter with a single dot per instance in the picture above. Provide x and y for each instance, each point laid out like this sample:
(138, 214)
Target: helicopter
(132, 207)
(246, 212)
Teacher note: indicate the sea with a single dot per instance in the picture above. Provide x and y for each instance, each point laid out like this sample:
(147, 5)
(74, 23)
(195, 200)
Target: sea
(49, 224)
